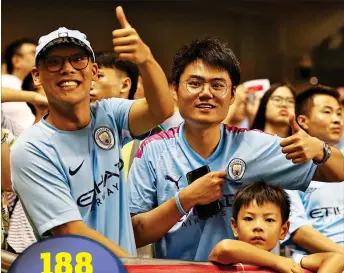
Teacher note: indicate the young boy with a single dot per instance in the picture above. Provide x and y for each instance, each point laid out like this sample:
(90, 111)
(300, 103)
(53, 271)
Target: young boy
(259, 219)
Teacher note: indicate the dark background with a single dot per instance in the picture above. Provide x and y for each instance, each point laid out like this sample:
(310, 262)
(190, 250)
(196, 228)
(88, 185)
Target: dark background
(279, 40)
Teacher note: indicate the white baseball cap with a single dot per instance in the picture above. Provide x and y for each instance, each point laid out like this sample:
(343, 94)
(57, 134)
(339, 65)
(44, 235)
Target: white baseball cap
(60, 36)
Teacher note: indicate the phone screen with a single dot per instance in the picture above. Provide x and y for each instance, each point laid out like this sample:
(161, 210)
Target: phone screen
(203, 211)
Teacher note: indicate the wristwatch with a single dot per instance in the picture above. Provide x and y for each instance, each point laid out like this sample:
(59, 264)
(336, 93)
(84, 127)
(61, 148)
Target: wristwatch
(327, 153)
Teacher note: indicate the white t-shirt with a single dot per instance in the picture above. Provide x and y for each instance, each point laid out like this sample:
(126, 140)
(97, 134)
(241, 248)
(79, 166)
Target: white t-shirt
(18, 113)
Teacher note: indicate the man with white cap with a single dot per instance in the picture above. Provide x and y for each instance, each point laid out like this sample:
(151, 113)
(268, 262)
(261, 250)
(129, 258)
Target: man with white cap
(68, 168)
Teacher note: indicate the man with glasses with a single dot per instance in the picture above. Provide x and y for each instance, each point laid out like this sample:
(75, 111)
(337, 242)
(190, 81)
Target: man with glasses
(165, 198)
(20, 58)
(68, 168)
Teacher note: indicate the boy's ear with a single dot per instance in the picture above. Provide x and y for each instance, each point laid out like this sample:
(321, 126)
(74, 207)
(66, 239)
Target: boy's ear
(284, 230)
(234, 227)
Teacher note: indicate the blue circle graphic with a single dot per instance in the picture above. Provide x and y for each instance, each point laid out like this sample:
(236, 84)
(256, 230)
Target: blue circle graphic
(103, 260)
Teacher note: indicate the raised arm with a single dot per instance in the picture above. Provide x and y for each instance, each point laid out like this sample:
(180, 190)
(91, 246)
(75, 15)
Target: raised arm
(149, 112)
(11, 95)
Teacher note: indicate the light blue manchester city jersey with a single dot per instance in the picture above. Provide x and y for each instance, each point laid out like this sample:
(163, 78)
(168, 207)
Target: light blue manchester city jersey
(160, 167)
(63, 176)
(322, 207)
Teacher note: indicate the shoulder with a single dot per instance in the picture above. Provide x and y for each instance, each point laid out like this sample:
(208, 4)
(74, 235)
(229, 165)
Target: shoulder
(252, 136)
(32, 139)
(110, 104)
(158, 142)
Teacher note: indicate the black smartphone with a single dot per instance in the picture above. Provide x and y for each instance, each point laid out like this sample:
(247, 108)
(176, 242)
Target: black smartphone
(203, 211)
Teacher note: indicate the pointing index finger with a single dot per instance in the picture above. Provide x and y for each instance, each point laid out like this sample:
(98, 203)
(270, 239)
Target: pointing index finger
(121, 18)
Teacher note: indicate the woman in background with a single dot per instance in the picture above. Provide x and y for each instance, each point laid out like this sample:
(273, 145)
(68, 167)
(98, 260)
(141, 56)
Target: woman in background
(277, 104)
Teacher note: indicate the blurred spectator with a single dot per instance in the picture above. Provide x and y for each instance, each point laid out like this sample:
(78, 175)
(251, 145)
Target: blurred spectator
(3, 67)
(275, 107)
(176, 119)
(17, 233)
(340, 145)
(256, 89)
(9, 95)
(237, 112)
(116, 78)
(39, 110)
(20, 58)
(317, 219)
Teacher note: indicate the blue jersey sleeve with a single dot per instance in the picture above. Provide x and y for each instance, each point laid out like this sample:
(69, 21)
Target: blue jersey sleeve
(119, 109)
(43, 190)
(298, 216)
(142, 184)
(274, 167)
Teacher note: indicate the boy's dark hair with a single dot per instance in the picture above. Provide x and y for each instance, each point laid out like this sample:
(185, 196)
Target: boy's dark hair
(14, 49)
(212, 52)
(261, 192)
(111, 60)
(260, 119)
(304, 101)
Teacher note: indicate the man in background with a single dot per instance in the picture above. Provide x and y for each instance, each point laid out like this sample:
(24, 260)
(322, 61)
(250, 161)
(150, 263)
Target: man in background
(116, 78)
(317, 218)
(19, 58)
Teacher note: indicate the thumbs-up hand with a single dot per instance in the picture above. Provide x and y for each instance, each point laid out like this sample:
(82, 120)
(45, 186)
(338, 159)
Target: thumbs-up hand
(127, 43)
(300, 147)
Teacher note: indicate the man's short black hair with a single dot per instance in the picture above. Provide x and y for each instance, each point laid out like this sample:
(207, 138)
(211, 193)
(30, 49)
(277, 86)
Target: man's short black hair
(304, 101)
(111, 60)
(262, 193)
(212, 52)
(14, 49)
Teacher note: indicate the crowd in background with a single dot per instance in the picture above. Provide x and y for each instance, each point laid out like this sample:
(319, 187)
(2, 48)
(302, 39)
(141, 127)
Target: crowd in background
(317, 212)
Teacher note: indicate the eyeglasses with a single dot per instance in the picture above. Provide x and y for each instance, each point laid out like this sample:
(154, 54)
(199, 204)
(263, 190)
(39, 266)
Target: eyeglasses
(278, 100)
(195, 86)
(55, 63)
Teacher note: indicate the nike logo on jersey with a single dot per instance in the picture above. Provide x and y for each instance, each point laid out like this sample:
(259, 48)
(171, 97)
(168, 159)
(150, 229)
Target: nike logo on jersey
(76, 170)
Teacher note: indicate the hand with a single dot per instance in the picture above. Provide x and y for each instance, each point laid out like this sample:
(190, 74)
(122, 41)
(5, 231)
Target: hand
(301, 147)
(287, 265)
(252, 106)
(203, 191)
(127, 43)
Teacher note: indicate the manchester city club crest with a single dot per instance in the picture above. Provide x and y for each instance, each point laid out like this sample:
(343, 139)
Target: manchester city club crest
(236, 169)
(104, 138)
